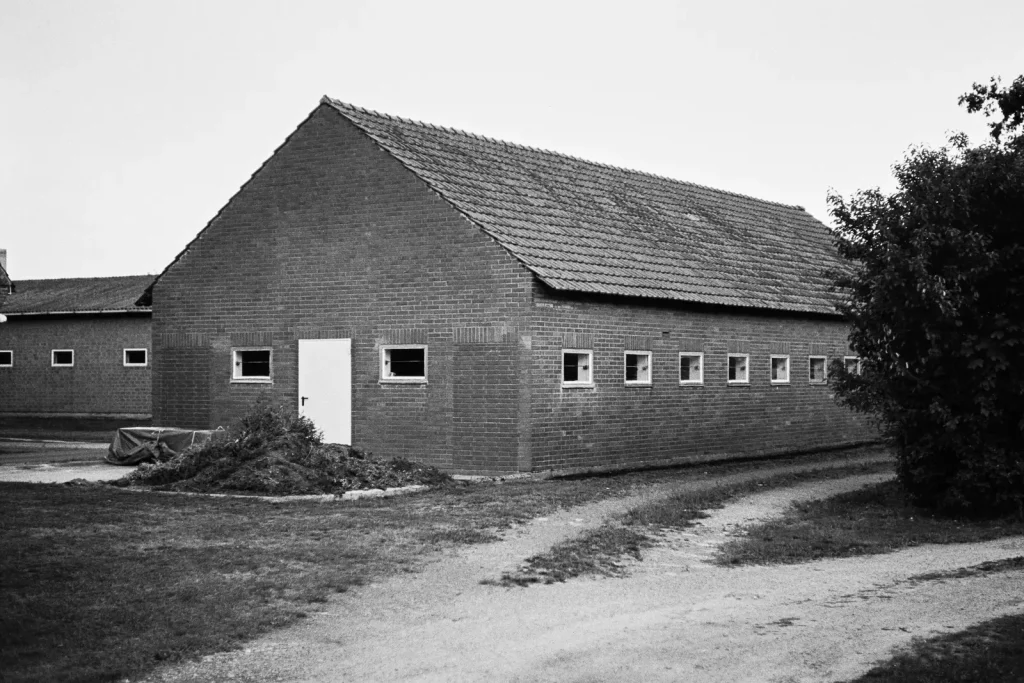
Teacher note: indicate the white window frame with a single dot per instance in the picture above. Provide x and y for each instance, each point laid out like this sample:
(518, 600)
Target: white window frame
(53, 358)
(590, 364)
(691, 354)
(236, 366)
(7, 365)
(847, 359)
(143, 364)
(824, 367)
(384, 360)
(789, 368)
(745, 380)
(634, 382)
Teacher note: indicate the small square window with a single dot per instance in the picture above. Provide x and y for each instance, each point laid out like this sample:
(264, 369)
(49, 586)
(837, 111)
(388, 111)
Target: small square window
(6, 359)
(405, 363)
(738, 371)
(816, 369)
(577, 367)
(252, 365)
(852, 364)
(638, 367)
(691, 368)
(780, 369)
(136, 358)
(62, 358)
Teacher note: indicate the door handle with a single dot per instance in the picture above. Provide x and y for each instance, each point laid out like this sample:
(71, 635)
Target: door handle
(304, 399)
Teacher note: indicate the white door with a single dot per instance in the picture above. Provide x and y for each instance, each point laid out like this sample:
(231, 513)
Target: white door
(325, 386)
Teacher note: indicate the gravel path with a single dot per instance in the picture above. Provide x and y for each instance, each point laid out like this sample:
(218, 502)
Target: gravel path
(62, 472)
(676, 618)
(15, 451)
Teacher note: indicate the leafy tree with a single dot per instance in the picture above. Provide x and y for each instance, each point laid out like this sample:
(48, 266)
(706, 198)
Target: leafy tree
(934, 291)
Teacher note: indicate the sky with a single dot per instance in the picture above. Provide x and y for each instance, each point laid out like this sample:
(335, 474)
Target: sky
(126, 126)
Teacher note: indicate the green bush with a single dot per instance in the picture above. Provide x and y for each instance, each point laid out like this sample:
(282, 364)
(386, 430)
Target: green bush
(935, 296)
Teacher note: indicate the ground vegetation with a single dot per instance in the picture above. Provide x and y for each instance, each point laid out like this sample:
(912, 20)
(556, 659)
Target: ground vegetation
(272, 451)
(934, 292)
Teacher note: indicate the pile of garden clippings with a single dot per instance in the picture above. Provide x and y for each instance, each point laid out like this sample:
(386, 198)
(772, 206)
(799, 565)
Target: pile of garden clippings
(272, 453)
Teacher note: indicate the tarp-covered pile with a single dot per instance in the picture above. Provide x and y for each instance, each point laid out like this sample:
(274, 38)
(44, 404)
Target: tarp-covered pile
(132, 445)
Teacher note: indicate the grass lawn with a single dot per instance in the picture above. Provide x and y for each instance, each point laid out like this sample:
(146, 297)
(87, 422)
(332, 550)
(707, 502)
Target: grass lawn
(98, 583)
(989, 652)
(601, 550)
(873, 520)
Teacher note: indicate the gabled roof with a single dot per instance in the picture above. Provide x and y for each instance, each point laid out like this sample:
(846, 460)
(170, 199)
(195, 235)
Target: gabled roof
(77, 295)
(582, 226)
(586, 227)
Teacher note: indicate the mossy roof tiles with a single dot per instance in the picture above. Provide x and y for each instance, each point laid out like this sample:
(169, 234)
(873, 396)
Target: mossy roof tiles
(587, 227)
(77, 295)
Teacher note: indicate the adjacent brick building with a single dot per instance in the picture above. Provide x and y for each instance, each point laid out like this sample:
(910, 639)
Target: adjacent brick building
(491, 308)
(75, 348)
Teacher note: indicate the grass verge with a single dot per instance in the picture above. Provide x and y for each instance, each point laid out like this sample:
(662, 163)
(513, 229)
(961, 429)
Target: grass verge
(989, 652)
(99, 584)
(873, 520)
(602, 550)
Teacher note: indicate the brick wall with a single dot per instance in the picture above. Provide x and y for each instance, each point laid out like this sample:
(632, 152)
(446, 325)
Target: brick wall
(614, 425)
(98, 384)
(333, 238)
(485, 406)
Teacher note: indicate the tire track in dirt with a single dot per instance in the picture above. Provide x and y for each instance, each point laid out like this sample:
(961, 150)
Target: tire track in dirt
(677, 617)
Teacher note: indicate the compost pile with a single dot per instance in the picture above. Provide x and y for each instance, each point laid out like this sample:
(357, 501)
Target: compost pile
(273, 452)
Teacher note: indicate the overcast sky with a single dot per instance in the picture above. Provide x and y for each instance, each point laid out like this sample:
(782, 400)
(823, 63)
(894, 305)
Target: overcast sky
(125, 126)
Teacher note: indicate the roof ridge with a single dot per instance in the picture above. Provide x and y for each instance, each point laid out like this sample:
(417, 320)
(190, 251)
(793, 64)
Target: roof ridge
(338, 104)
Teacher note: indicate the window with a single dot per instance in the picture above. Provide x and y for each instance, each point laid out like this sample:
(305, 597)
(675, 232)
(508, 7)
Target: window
(780, 369)
(62, 358)
(638, 367)
(691, 368)
(252, 365)
(816, 369)
(852, 364)
(405, 363)
(135, 358)
(6, 359)
(738, 368)
(577, 367)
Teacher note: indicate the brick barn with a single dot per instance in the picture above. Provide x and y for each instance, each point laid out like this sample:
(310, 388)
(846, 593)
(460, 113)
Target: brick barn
(492, 308)
(75, 348)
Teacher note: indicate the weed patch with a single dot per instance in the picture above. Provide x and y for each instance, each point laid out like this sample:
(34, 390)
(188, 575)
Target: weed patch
(990, 652)
(995, 566)
(606, 550)
(873, 520)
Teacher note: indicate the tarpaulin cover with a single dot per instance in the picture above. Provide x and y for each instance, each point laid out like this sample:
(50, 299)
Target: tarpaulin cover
(132, 445)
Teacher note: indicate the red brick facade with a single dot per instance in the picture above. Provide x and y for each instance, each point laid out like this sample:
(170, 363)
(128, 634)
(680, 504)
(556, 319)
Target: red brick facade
(99, 384)
(334, 238)
(615, 425)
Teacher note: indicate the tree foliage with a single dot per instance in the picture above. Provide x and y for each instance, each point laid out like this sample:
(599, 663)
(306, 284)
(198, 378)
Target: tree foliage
(935, 295)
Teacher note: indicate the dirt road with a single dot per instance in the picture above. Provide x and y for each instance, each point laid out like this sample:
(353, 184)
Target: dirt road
(676, 618)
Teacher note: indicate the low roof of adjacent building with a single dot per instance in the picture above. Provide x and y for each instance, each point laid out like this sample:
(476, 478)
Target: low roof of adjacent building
(77, 295)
